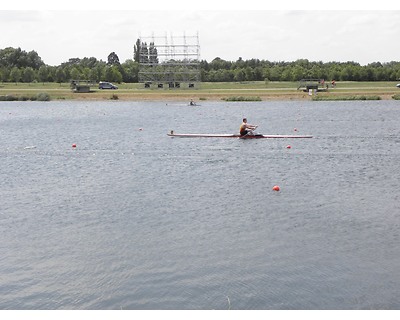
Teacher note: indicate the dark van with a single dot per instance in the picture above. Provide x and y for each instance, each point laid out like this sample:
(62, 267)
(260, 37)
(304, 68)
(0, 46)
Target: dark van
(106, 85)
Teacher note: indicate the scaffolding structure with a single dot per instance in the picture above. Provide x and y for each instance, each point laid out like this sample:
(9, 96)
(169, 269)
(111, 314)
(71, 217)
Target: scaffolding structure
(169, 61)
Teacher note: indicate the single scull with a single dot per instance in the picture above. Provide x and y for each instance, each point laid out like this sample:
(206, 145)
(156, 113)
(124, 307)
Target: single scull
(255, 136)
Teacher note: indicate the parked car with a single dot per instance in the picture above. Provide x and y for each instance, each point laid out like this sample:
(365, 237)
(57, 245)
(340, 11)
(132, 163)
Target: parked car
(107, 85)
(398, 85)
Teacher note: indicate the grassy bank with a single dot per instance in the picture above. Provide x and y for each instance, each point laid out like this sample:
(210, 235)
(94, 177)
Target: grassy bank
(206, 91)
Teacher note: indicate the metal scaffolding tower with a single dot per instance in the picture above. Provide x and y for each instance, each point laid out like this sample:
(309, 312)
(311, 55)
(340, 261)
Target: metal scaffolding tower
(169, 61)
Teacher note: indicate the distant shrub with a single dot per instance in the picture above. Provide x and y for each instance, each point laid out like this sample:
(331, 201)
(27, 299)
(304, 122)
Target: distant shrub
(8, 98)
(114, 97)
(241, 98)
(345, 98)
(42, 96)
(38, 97)
(396, 97)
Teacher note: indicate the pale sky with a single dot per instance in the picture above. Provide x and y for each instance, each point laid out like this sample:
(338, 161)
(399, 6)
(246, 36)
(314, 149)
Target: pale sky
(326, 31)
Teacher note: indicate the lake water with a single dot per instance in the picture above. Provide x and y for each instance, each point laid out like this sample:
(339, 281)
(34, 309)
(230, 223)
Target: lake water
(134, 219)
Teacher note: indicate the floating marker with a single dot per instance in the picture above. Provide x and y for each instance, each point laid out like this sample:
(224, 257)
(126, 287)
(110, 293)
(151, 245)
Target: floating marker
(288, 146)
(295, 129)
(140, 129)
(276, 188)
(74, 145)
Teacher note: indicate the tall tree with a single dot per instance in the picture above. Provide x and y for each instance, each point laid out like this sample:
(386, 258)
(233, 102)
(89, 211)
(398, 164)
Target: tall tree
(136, 51)
(11, 57)
(43, 74)
(144, 53)
(113, 74)
(75, 73)
(113, 60)
(15, 75)
(60, 75)
(28, 75)
(33, 60)
(131, 71)
(153, 55)
(89, 62)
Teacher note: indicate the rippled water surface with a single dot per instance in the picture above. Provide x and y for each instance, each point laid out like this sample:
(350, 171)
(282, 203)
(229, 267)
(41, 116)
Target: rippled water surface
(134, 219)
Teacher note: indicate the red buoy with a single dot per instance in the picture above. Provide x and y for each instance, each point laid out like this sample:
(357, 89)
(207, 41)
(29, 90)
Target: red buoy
(74, 145)
(288, 146)
(276, 188)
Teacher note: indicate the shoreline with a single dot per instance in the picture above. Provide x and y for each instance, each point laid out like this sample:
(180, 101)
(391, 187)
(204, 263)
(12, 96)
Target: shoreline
(198, 97)
(279, 91)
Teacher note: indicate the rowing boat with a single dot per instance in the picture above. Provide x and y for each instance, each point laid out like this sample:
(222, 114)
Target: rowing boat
(255, 136)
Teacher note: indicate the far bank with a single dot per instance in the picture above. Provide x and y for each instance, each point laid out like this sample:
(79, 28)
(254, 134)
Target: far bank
(213, 91)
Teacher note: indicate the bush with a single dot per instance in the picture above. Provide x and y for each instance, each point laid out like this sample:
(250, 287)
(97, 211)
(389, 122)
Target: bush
(8, 98)
(396, 97)
(345, 98)
(241, 98)
(42, 96)
(38, 97)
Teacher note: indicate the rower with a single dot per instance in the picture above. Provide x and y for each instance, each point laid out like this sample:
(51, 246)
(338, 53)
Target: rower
(247, 128)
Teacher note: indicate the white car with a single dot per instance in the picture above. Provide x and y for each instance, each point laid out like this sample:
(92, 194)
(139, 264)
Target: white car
(398, 85)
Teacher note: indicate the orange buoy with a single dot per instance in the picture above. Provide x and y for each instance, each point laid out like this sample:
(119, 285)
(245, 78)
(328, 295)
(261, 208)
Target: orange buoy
(276, 188)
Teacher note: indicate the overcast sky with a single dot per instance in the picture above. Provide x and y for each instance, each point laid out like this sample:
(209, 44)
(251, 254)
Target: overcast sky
(283, 34)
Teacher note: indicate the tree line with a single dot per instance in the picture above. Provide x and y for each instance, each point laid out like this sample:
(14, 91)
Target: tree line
(256, 70)
(17, 65)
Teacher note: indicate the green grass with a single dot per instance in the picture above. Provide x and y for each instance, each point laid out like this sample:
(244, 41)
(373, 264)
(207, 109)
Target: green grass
(252, 85)
(365, 84)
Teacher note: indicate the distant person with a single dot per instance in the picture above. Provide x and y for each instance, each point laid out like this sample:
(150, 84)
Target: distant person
(246, 128)
(192, 103)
